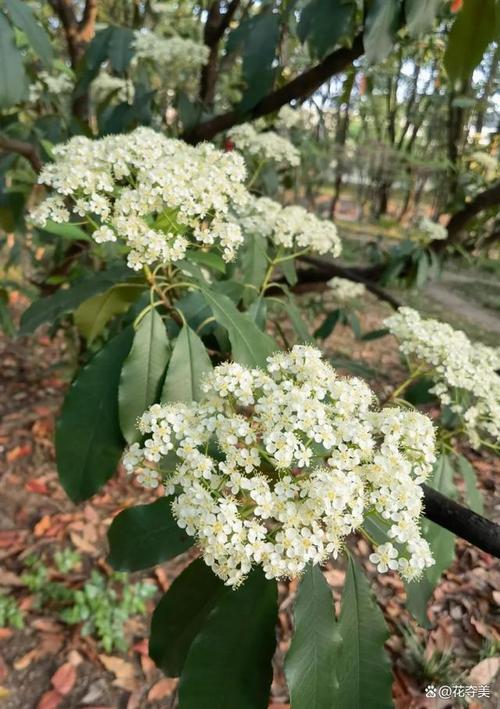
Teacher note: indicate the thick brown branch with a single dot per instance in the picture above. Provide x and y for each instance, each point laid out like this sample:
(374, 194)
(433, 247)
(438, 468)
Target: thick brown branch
(484, 200)
(215, 26)
(302, 86)
(86, 26)
(462, 521)
(27, 150)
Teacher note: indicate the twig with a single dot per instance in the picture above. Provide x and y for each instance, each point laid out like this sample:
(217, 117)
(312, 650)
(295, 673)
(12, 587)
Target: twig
(21, 147)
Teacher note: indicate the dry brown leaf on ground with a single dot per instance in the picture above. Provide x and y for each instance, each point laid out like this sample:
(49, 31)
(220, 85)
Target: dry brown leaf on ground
(64, 678)
(485, 671)
(124, 671)
(162, 689)
(50, 700)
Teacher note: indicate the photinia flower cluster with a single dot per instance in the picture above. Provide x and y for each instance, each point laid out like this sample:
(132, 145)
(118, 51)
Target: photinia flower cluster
(290, 227)
(161, 196)
(266, 146)
(277, 466)
(464, 372)
(345, 290)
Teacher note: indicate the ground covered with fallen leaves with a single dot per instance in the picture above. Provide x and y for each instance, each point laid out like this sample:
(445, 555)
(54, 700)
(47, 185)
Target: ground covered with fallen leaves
(53, 552)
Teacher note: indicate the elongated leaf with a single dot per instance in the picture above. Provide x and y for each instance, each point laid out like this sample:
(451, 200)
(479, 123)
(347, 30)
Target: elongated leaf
(380, 29)
(420, 15)
(180, 615)
(89, 442)
(22, 16)
(142, 372)
(120, 50)
(323, 22)
(328, 325)
(442, 477)
(93, 315)
(207, 258)
(13, 82)
(188, 364)
(146, 535)
(68, 230)
(297, 321)
(466, 46)
(53, 306)
(310, 664)
(253, 266)
(364, 670)
(250, 345)
(472, 493)
(229, 664)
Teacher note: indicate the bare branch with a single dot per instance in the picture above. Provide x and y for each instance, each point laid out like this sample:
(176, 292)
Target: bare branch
(299, 88)
(27, 150)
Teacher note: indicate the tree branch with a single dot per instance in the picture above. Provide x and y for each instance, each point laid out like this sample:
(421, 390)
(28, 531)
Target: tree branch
(27, 150)
(302, 86)
(484, 200)
(215, 26)
(462, 521)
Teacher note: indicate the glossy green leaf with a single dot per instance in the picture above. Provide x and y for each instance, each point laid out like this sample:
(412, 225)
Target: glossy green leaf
(290, 272)
(53, 306)
(188, 365)
(380, 29)
(420, 15)
(258, 39)
(120, 49)
(146, 535)
(250, 346)
(180, 615)
(208, 259)
(22, 16)
(253, 266)
(142, 372)
(364, 670)
(92, 315)
(328, 325)
(473, 30)
(89, 442)
(13, 84)
(229, 664)
(323, 23)
(68, 230)
(472, 493)
(295, 315)
(310, 664)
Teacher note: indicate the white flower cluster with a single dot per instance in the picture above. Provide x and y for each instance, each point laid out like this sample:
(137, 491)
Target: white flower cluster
(277, 467)
(60, 85)
(289, 118)
(159, 195)
(179, 58)
(104, 84)
(265, 146)
(290, 227)
(345, 290)
(432, 231)
(464, 371)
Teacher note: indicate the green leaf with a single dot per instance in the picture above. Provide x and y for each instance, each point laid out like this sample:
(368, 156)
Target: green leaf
(442, 477)
(13, 82)
(328, 325)
(364, 670)
(142, 372)
(310, 664)
(472, 493)
(258, 36)
(53, 306)
(146, 535)
(420, 15)
(250, 346)
(380, 29)
(422, 269)
(188, 364)
(22, 16)
(253, 266)
(290, 272)
(89, 442)
(374, 334)
(297, 321)
(120, 50)
(68, 230)
(323, 23)
(474, 28)
(180, 615)
(353, 321)
(92, 315)
(419, 392)
(229, 664)
(208, 259)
